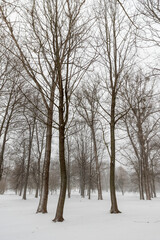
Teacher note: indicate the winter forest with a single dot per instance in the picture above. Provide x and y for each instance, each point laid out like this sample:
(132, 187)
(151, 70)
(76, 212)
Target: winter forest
(79, 119)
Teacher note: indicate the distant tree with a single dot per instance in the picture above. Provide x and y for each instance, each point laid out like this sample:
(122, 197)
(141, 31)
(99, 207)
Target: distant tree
(142, 125)
(30, 120)
(81, 156)
(122, 179)
(87, 106)
(10, 98)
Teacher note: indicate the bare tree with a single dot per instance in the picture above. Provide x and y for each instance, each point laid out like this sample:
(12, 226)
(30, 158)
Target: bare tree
(115, 47)
(87, 106)
(81, 154)
(142, 125)
(51, 53)
(150, 33)
(40, 135)
(30, 120)
(10, 100)
(122, 179)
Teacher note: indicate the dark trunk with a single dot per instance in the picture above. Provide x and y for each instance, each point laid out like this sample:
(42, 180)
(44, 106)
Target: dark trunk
(114, 206)
(42, 207)
(153, 180)
(82, 182)
(3, 146)
(38, 177)
(60, 206)
(63, 187)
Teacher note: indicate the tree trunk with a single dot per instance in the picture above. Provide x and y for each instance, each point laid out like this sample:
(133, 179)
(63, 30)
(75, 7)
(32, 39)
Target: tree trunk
(27, 172)
(31, 134)
(141, 180)
(42, 207)
(114, 206)
(90, 174)
(3, 145)
(144, 158)
(63, 187)
(22, 170)
(82, 181)
(39, 177)
(98, 176)
(153, 180)
(69, 170)
(146, 175)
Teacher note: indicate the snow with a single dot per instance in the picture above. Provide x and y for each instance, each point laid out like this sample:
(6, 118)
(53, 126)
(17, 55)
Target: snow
(84, 219)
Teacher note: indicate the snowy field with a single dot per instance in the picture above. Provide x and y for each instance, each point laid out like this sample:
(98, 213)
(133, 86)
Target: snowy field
(84, 219)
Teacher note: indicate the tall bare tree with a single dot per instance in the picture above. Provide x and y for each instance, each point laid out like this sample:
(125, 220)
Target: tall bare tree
(115, 47)
(51, 52)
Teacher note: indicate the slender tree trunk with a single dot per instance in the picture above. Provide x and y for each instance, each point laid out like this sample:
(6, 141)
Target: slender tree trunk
(40, 150)
(3, 145)
(153, 180)
(98, 176)
(39, 177)
(39, 172)
(90, 174)
(82, 181)
(22, 170)
(31, 134)
(154, 188)
(42, 207)
(114, 206)
(63, 187)
(28, 170)
(141, 180)
(69, 170)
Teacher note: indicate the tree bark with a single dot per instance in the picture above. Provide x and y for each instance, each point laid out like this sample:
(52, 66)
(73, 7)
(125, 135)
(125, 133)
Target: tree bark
(63, 187)
(38, 176)
(42, 207)
(4, 144)
(114, 206)
(144, 157)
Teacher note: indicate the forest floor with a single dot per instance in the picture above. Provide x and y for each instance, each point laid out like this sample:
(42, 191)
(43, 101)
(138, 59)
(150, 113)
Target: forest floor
(84, 219)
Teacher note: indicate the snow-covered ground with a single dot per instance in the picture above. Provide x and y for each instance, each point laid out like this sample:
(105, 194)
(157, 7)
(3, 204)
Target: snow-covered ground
(84, 219)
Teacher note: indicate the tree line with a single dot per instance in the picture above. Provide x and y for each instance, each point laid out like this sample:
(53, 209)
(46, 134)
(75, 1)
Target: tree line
(77, 96)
